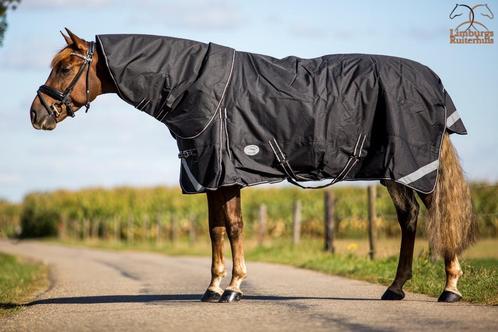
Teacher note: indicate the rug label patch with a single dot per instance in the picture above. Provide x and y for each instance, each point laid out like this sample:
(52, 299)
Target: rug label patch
(251, 150)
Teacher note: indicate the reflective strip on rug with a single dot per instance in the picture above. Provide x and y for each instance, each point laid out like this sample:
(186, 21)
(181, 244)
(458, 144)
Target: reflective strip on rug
(450, 121)
(197, 186)
(422, 171)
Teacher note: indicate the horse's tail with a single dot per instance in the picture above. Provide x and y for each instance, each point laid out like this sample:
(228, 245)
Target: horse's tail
(451, 225)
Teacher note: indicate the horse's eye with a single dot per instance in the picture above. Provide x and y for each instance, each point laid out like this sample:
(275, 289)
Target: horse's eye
(65, 70)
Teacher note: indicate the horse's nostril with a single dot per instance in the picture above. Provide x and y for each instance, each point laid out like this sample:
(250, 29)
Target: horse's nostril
(33, 116)
(32, 112)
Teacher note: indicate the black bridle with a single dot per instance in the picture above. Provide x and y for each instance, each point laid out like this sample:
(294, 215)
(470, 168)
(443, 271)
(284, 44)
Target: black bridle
(64, 97)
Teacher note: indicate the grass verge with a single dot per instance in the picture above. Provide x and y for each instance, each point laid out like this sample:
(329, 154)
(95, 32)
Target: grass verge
(479, 284)
(19, 280)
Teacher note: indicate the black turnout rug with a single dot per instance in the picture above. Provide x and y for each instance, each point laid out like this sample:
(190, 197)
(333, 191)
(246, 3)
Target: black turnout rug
(244, 118)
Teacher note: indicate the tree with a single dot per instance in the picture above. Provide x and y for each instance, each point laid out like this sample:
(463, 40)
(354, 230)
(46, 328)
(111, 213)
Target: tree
(4, 6)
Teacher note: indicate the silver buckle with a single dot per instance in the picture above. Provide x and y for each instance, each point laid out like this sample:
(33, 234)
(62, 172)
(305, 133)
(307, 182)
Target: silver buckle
(187, 153)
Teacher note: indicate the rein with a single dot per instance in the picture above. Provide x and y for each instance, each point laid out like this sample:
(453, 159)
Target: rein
(64, 97)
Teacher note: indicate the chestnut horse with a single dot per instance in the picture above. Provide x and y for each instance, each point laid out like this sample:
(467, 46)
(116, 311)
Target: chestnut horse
(79, 74)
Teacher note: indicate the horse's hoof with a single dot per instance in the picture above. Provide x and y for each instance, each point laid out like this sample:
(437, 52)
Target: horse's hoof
(393, 296)
(449, 297)
(210, 296)
(230, 296)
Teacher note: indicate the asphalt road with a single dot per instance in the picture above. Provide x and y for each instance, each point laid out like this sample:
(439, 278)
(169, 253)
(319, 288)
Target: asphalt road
(94, 290)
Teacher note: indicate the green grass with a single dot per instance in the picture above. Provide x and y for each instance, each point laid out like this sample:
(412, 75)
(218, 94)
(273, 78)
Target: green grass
(479, 284)
(19, 280)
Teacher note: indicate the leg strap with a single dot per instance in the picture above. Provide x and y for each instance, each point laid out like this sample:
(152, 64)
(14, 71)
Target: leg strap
(293, 178)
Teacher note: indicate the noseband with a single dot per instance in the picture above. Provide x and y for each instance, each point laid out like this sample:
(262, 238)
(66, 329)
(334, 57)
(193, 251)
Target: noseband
(64, 97)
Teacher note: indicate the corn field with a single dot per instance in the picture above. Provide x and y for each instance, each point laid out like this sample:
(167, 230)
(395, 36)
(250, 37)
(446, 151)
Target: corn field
(163, 213)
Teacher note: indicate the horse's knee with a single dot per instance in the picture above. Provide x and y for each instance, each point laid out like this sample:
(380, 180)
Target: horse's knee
(217, 233)
(235, 229)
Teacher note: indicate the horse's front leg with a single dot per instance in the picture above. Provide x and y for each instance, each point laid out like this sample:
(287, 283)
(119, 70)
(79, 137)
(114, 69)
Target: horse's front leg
(234, 226)
(217, 235)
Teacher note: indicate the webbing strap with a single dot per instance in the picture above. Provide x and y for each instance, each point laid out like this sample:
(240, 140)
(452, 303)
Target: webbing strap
(293, 178)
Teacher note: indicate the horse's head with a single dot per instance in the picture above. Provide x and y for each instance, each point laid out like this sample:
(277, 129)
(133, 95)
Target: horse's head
(70, 85)
(457, 10)
(484, 10)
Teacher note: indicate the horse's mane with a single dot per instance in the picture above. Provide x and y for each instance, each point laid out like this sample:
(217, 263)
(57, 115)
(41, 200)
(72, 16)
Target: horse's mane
(60, 56)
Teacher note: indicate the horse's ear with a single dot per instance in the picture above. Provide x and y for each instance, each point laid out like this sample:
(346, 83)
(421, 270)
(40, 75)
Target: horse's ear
(77, 41)
(66, 38)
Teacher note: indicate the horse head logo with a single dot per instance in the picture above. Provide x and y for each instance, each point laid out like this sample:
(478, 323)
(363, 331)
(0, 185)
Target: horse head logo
(472, 22)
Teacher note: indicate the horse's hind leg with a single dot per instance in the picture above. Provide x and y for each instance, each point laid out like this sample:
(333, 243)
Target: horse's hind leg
(407, 210)
(453, 273)
(217, 234)
(234, 226)
(451, 266)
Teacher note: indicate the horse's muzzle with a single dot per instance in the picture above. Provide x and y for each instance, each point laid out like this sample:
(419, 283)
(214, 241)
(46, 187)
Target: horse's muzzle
(44, 122)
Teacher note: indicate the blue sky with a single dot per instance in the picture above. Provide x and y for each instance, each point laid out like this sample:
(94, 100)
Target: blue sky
(114, 144)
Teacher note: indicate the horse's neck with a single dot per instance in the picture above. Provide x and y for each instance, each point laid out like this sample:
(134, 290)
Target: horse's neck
(103, 76)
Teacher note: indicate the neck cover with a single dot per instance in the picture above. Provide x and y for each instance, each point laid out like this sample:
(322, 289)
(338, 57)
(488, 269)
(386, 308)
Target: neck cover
(244, 119)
